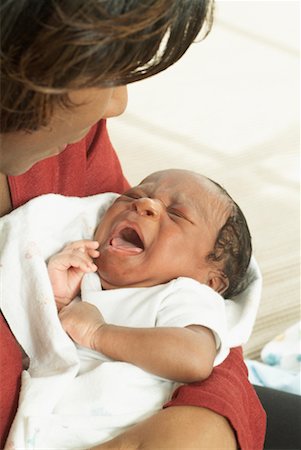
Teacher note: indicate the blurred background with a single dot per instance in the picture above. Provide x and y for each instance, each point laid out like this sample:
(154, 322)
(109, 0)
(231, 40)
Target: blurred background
(230, 109)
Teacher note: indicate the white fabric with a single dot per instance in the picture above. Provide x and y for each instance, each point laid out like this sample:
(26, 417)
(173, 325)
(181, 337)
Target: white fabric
(178, 303)
(28, 236)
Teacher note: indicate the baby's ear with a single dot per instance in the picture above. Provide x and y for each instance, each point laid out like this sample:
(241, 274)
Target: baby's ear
(218, 281)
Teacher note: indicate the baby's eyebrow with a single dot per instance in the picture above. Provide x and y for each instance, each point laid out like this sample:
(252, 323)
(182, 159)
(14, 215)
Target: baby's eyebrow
(182, 199)
(193, 205)
(139, 189)
(146, 189)
(135, 190)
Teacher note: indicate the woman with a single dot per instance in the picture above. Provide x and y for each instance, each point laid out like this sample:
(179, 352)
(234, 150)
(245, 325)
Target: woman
(60, 78)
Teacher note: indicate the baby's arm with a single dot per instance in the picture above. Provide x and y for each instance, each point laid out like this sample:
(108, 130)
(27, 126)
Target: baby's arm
(180, 354)
(66, 269)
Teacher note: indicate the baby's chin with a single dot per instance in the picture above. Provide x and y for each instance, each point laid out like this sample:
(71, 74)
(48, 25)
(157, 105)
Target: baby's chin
(108, 283)
(112, 280)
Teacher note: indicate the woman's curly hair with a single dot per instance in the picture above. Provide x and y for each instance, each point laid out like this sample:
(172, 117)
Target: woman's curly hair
(233, 247)
(49, 47)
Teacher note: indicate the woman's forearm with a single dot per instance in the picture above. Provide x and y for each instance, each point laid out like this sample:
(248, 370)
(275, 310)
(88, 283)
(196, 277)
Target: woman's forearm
(177, 428)
(180, 354)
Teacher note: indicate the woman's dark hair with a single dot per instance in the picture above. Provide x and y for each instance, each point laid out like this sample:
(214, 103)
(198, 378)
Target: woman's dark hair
(233, 247)
(49, 47)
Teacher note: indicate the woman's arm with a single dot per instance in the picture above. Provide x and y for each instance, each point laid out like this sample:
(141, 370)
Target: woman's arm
(177, 428)
(179, 354)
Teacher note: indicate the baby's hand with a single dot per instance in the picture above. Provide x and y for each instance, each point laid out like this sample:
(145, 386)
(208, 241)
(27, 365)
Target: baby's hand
(82, 321)
(67, 268)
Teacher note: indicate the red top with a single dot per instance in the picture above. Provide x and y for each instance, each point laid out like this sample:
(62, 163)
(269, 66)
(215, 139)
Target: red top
(86, 168)
(90, 167)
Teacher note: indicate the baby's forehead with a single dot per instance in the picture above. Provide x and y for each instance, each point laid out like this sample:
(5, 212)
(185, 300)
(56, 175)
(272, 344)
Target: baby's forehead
(190, 188)
(179, 182)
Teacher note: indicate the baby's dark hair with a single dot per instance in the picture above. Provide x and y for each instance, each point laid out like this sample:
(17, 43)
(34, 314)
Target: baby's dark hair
(50, 47)
(233, 247)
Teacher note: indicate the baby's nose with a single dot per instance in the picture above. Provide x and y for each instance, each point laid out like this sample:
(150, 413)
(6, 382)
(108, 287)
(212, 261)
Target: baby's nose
(148, 207)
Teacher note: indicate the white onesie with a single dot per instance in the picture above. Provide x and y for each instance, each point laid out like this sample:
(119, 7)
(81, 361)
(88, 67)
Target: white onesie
(121, 394)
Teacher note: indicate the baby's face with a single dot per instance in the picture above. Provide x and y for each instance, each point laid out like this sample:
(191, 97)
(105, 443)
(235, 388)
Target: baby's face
(159, 230)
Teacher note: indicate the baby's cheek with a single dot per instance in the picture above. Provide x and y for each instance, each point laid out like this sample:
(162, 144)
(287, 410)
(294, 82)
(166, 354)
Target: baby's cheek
(98, 234)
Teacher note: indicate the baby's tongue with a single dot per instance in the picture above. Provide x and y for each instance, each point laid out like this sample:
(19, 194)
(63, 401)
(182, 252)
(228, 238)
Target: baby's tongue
(121, 244)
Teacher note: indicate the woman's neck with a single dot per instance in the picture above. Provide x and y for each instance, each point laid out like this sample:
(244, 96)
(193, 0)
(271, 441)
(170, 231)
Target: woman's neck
(5, 198)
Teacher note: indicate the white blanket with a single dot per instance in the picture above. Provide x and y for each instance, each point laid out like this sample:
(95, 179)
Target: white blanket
(28, 237)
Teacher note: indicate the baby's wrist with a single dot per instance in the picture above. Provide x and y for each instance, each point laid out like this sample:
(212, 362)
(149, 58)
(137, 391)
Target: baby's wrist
(61, 302)
(98, 338)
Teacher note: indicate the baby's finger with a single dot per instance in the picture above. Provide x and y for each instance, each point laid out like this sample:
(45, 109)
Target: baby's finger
(83, 243)
(75, 258)
(86, 254)
(91, 244)
(93, 253)
(82, 263)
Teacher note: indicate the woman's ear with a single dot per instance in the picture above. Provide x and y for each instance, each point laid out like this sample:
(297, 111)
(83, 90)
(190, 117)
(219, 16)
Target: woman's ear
(218, 281)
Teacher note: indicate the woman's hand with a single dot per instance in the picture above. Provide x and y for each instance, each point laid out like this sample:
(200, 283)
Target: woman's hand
(82, 322)
(67, 268)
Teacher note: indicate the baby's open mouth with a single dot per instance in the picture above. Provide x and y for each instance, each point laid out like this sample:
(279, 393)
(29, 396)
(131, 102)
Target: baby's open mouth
(128, 240)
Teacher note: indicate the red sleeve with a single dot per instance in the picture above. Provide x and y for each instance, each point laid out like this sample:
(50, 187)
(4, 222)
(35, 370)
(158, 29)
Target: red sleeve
(88, 167)
(229, 393)
(10, 379)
